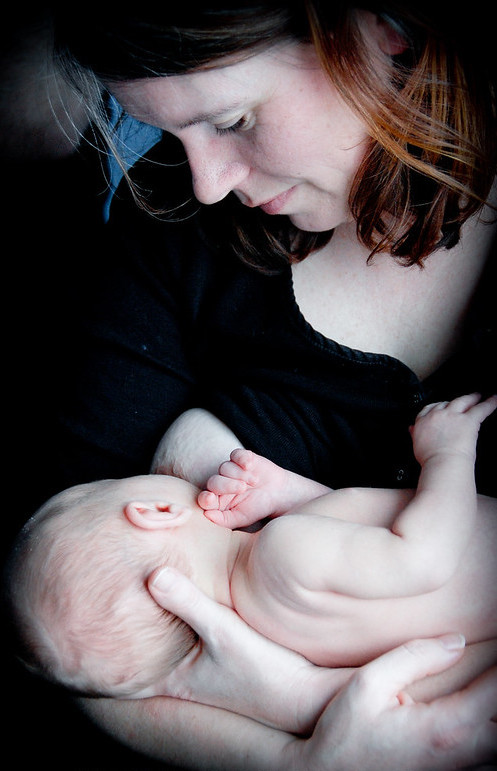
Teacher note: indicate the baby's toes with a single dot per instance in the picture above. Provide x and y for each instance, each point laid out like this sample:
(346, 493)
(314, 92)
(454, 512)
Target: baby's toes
(244, 458)
(225, 485)
(233, 471)
(208, 500)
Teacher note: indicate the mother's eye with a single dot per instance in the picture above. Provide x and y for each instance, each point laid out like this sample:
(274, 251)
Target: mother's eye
(244, 123)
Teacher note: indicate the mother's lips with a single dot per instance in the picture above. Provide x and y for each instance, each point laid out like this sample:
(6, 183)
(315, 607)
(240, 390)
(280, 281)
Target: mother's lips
(276, 204)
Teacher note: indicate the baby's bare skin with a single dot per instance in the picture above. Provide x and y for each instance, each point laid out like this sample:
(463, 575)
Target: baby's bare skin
(357, 562)
(249, 487)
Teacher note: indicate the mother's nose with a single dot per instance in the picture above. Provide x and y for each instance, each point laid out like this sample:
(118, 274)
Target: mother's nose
(214, 176)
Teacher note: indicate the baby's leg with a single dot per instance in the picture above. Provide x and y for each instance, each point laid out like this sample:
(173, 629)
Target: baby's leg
(249, 488)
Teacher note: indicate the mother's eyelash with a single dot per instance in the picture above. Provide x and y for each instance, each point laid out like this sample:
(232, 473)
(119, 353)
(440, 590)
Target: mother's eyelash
(243, 124)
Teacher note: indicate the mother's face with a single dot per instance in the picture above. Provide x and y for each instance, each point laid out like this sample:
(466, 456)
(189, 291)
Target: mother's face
(272, 129)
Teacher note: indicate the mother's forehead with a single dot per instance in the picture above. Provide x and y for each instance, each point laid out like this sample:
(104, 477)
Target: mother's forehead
(174, 101)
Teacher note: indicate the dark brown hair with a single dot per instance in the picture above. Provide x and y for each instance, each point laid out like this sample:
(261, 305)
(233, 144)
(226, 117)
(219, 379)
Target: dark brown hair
(432, 156)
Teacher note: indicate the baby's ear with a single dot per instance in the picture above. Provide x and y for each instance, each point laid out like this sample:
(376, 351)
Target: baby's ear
(156, 515)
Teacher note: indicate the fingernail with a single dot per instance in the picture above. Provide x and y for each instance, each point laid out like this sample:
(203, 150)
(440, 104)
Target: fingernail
(453, 641)
(163, 579)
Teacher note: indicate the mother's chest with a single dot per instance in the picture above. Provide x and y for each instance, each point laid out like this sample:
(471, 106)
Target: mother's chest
(414, 315)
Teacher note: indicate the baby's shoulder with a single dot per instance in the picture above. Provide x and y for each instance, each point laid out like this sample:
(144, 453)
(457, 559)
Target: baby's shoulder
(282, 546)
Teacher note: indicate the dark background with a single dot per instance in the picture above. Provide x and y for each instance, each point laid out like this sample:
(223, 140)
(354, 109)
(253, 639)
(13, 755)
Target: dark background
(51, 229)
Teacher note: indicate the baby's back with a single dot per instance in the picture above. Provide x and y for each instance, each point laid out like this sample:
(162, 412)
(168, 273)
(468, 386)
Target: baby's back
(336, 630)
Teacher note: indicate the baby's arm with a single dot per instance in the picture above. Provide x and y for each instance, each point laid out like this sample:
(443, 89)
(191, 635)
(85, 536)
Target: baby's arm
(416, 553)
(421, 548)
(435, 526)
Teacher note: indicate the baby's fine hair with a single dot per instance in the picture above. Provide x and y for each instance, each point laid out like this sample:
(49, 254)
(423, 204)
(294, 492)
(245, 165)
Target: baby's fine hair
(77, 590)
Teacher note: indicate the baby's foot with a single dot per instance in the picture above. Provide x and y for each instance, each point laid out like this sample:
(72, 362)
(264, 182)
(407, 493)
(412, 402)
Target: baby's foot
(247, 488)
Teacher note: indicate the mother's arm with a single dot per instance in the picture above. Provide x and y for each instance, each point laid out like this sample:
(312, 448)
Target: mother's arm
(189, 735)
(364, 725)
(357, 730)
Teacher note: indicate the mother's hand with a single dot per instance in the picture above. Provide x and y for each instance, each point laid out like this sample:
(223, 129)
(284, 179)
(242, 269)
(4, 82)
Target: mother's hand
(367, 726)
(364, 723)
(236, 668)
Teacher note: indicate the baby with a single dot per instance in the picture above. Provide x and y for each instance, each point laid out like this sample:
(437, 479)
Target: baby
(339, 576)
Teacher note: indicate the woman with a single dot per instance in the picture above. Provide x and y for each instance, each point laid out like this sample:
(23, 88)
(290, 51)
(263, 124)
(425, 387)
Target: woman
(345, 155)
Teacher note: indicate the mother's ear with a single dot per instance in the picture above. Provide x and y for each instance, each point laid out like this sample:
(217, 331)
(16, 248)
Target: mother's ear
(392, 41)
(385, 33)
(156, 515)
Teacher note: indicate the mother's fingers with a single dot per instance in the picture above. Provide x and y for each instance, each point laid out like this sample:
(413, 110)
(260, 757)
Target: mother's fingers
(237, 668)
(373, 730)
(173, 591)
(468, 719)
(480, 699)
(461, 724)
(221, 628)
(387, 676)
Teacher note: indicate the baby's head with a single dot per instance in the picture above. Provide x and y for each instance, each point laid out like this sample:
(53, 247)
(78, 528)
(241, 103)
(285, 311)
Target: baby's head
(78, 583)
